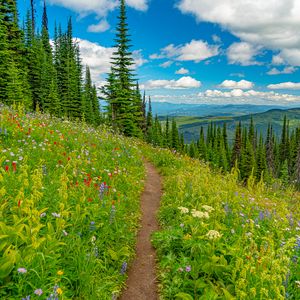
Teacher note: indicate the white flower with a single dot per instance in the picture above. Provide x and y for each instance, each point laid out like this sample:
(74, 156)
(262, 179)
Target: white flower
(184, 210)
(213, 235)
(298, 283)
(200, 214)
(208, 208)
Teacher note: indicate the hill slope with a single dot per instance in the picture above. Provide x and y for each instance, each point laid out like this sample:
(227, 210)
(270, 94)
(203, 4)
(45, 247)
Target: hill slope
(69, 208)
(190, 126)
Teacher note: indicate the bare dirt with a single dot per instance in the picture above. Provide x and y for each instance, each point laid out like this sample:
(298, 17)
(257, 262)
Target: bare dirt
(142, 279)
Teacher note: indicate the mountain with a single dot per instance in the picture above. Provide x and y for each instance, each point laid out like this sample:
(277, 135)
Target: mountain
(190, 126)
(203, 110)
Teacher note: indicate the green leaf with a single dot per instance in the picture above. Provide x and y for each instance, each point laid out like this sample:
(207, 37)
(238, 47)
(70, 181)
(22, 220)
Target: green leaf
(184, 296)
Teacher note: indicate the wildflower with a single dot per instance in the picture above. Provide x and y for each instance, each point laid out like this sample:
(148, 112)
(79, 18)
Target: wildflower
(200, 214)
(65, 233)
(93, 239)
(298, 284)
(56, 215)
(188, 268)
(26, 298)
(213, 235)
(22, 270)
(183, 210)
(92, 226)
(6, 168)
(124, 268)
(180, 270)
(181, 225)
(208, 208)
(59, 291)
(14, 165)
(42, 215)
(60, 272)
(38, 292)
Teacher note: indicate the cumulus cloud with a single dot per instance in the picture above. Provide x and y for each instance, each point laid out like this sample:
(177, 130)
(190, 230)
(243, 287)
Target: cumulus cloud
(196, 50)
(98, 7)
(231, 97)
(243, 54)
(273, 24)
(182, 71)
(185, 82)
(286, 70)
(285, 86)
(100, 27)
(98, 58)
(242, 84)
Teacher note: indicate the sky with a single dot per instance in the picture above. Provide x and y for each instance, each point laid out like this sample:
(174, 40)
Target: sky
(194, 51)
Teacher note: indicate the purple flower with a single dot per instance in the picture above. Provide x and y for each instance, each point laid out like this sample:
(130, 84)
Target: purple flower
(22, 270)
(27, 298)
(188, 268)
(124, 268)
(261, 215)
(38, 292)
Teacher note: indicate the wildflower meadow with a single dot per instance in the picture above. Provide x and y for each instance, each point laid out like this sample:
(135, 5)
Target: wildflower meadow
(220, 240)
(69, 208)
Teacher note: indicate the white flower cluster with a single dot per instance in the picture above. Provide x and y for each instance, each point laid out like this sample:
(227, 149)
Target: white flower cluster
(184, 210)
(200, 214)
(213, 235)
(208, 208)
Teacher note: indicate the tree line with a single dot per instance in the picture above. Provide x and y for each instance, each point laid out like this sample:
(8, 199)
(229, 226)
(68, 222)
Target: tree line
(251, 154)
(40, 74)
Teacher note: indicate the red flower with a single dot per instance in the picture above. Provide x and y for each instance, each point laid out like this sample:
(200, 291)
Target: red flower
(6, 168)
(19, 203)
(14, 165)
(90, 200)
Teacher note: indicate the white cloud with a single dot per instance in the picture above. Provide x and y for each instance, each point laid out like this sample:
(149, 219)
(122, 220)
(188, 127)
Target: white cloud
(182, 71)
(166, 64)
(185, 82)
(242, 84)
(286, 70)
(100, 27)
(285, 86)
(230, 97)
(252, 94)
(98, 7)
(277, 60)
(196, 50)
(138, 58)
(273, 24)
(98, 58)
(216, 38)
(243, 53)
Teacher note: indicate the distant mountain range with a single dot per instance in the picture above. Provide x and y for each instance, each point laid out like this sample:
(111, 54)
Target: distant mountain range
(204, 110)
(190, 126)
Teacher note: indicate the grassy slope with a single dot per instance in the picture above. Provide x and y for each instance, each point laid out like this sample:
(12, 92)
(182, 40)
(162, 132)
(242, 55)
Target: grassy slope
(256, 255)
(190, 126)
(53, 216)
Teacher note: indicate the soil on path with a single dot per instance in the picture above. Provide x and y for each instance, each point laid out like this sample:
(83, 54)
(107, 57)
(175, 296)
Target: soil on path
(142, 283)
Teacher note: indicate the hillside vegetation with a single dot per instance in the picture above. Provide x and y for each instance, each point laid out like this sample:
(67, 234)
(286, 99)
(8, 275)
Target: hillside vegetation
(190, 126)
(69, 208)
(219, 240)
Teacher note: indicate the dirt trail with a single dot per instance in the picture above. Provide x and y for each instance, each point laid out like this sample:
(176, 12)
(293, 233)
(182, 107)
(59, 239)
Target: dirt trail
(141, 283)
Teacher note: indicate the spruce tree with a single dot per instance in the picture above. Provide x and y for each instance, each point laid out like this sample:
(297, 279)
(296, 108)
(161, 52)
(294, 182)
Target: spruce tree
(124, 107)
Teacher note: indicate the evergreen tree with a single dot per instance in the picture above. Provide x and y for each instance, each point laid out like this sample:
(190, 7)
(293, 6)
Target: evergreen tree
(237, 147)
(124, 107)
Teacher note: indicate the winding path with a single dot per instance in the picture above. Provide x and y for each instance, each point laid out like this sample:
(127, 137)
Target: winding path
(141, 282)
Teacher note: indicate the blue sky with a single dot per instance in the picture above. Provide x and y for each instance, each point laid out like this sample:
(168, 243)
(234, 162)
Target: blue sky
(195, 51)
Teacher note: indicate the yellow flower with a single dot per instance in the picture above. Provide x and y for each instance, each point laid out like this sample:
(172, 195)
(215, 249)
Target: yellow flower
(59, 291)
(60, 272)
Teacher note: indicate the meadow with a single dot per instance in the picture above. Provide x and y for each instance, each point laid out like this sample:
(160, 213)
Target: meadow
(69, 208)
(220, 240)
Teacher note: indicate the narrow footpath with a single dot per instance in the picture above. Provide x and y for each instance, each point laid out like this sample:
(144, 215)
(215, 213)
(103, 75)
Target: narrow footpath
(142, 279)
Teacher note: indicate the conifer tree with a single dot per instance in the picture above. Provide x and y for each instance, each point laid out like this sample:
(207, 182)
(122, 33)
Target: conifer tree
(237, 147)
